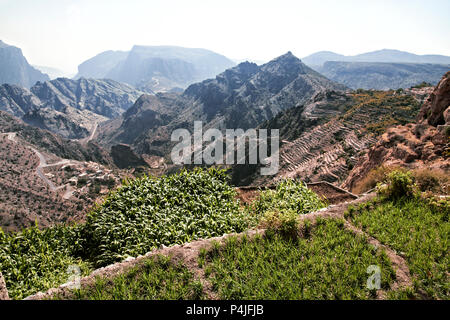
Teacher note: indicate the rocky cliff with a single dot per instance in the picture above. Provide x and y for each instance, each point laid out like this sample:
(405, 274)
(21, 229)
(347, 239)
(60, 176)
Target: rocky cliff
(15, 69)
(424, 144)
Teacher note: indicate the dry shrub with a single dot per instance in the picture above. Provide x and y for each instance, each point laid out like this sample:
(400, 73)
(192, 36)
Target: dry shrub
(434, 180)
(374, 176)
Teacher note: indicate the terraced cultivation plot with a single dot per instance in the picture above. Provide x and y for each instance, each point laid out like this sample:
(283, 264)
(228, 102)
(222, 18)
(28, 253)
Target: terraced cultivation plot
(418, 231)
(137, 218)
(328, 263)
(156, 279)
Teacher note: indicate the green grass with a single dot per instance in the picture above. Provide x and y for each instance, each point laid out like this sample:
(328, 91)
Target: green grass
(35, 260)
(155, 279)
(418, 231)
(289, 195)
(329, 263)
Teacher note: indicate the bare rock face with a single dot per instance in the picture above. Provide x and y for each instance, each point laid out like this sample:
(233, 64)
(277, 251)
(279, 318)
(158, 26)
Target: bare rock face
(420, 145)
(3, 291)
(411, 146)
(435, 110)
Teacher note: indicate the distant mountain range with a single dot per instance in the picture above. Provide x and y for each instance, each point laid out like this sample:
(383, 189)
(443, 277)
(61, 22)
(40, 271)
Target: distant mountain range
(155, 68)
(382, 75)
(15, 69)
(54, 73)
(386, 55)
(381, 70)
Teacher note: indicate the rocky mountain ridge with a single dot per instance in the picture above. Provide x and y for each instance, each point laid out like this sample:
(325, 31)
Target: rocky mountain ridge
(15, 69)
(240, 97)
(71, 108)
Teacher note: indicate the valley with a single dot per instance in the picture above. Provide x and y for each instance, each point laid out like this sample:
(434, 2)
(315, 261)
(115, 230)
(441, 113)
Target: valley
(87, 177)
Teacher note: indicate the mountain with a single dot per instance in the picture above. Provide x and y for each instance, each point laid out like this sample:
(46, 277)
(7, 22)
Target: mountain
(104, 97)
(319, 58)
(99, 66)
(382, 76)
(241, 97)
(386, 55)
(156, 68)
(17, 100)
(423, 144)
(71, 108)
(327, 149)
(54, 73)
(15, 69)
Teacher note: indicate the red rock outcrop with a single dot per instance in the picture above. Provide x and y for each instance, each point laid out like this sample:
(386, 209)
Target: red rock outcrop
(435, 109)
(424, 144)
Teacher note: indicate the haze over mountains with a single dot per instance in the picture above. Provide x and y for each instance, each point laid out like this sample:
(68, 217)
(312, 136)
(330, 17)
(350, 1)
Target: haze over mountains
(381, 70)
(15, 69)
(385, 55)
(382, 75)
(240, 97)
(155, 68)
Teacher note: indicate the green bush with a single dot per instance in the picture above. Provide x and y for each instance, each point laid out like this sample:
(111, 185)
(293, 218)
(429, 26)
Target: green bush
(285, 223)
(289, 195)
(35, 260)
(148, 212)
(398, 184)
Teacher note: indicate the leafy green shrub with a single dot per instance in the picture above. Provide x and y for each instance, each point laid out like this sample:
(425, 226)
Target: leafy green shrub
(399, 184)
(289, 195)
(285, 223)
(35, 260)
(148, 212)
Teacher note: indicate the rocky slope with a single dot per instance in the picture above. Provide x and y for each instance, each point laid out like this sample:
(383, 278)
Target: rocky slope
(15, 69)
(104, 97)
(156, 68)
(240, 97)
(424, 144)
(46, 178)
(71, 108)
(17, 100)
(327, 147)
(382, 76)
(52, 143)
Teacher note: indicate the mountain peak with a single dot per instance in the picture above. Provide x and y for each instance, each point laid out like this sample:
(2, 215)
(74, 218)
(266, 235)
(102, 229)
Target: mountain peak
(3, 45)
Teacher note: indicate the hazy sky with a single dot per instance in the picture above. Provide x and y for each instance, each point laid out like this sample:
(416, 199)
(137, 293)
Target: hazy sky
(64, 33)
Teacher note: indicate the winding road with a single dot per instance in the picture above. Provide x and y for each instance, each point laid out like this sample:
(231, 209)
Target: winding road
(43, 164)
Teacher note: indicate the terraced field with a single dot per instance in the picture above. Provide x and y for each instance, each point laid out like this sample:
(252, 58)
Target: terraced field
(330, 150)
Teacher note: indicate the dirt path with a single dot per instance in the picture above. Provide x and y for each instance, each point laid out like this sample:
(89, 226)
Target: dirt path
(402, 273)
(12, 136)
(93, 132)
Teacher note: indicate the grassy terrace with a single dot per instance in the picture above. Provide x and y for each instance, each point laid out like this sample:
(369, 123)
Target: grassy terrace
(156, 279)
(417, 230)
(293, 260)
(329, 262)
